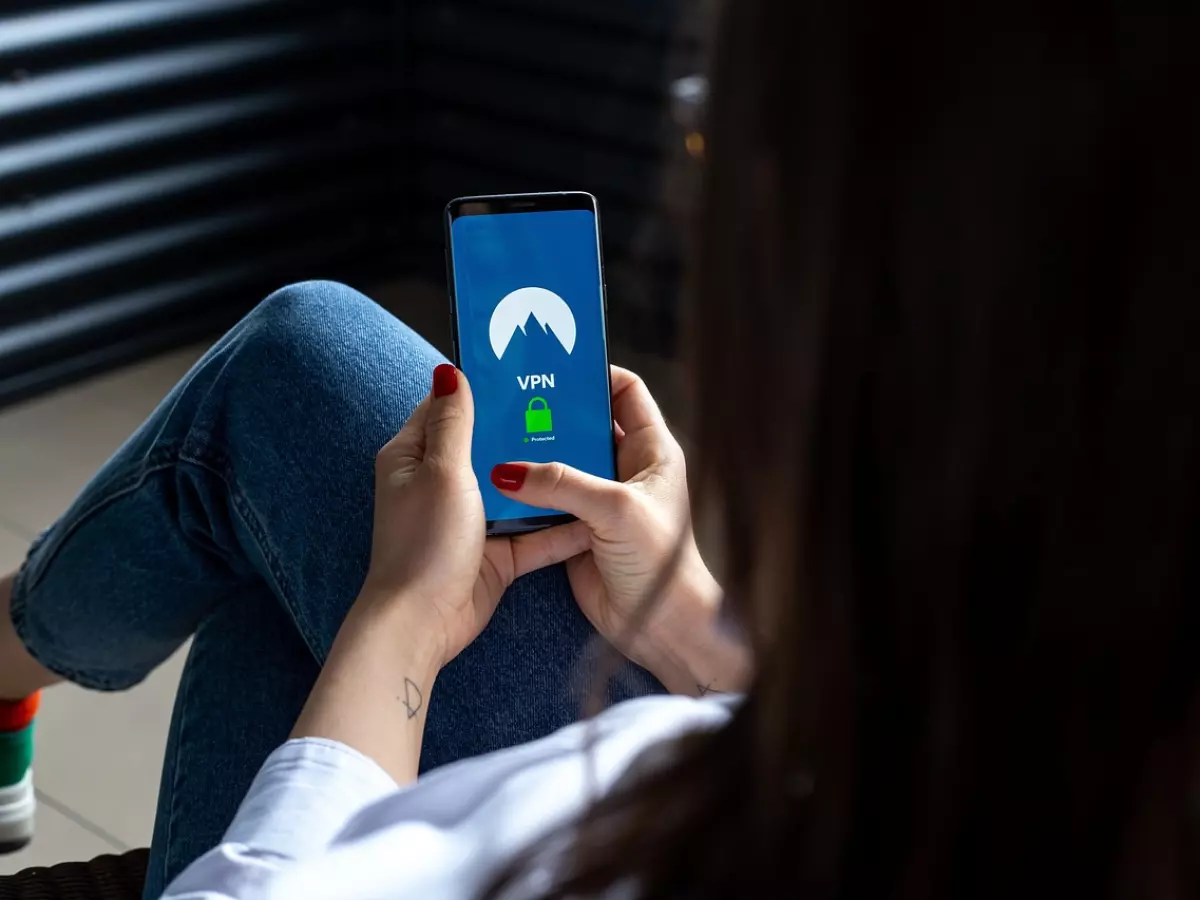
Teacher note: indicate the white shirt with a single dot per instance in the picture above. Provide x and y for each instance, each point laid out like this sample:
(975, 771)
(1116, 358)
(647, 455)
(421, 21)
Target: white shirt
(322, 821)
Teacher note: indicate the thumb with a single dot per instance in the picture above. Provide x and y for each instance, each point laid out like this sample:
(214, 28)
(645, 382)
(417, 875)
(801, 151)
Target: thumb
(450, 418)
(556, 486)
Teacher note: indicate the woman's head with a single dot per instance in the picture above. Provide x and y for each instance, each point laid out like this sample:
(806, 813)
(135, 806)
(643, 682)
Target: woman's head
(945, 310)
(946, 323)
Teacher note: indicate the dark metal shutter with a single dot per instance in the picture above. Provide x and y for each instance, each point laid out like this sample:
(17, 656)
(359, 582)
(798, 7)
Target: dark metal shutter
(532, 95)
(164, 163)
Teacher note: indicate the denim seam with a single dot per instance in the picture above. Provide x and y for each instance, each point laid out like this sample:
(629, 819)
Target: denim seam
(181, 703)
(197, 452)
(116, 487)
(217, 463)
(48, 544)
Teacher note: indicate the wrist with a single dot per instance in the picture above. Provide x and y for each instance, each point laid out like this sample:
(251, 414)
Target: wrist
(375, 685)
(691, 651)
(409, 623)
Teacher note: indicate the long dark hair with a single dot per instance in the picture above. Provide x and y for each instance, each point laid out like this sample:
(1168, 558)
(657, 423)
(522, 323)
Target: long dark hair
(947, 307)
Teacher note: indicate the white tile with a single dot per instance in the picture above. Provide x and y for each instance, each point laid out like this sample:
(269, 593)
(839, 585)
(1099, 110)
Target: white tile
(79, 420)
(58, 839)
(136, 390)
(35, 489)
(102, 753)
(13, 547)
(50, 448)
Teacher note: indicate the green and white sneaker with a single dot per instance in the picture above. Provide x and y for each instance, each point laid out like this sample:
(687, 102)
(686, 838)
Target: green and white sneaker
(17, 806)
(17, 801)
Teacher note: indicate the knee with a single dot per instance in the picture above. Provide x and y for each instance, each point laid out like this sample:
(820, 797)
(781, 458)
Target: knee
(321, 333)
(300, 337)
(313, 313)
(312, 327)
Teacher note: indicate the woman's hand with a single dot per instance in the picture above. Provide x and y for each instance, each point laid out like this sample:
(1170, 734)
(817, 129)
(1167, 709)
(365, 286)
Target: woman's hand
(423, 600)
(625, 538)
(428, 540)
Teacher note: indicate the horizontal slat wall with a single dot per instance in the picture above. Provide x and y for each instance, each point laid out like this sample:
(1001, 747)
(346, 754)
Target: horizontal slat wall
(531, 95)
(164, 163)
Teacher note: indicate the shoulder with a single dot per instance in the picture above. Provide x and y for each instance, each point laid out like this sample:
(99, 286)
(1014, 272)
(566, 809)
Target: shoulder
(449, 834)
(553, 777)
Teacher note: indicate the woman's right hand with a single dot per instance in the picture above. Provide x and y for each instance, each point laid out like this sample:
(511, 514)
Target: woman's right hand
(626, 535)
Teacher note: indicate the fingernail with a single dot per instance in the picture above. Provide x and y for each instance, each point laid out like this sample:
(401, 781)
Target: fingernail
(509, 476)
(445, 380)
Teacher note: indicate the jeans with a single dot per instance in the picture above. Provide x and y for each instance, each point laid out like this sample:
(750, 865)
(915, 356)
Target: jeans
(240, 513)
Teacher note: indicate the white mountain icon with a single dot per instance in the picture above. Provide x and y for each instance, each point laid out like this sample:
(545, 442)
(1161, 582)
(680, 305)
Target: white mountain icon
(549, 309)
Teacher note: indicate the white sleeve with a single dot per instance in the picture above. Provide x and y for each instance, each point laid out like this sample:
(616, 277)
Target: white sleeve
(302, 797)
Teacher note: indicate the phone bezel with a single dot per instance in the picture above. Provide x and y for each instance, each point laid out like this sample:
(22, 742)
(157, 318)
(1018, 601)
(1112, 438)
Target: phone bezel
(501, 204)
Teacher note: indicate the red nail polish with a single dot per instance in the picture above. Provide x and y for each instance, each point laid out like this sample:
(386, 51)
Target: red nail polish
(445, 380)
(509, 476)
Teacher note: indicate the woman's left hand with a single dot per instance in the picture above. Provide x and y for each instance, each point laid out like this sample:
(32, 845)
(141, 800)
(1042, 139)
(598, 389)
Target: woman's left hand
(423, 599)
(428, 542)
(429, 552)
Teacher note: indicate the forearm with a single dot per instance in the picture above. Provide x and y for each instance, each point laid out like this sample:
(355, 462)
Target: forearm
(373, 691)
(688, 648)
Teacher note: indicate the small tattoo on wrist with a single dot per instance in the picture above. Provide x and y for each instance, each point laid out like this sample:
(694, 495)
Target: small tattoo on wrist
(706, 689)
(412, 698)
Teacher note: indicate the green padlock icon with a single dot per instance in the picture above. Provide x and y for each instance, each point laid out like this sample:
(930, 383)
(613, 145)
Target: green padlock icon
(538, 420)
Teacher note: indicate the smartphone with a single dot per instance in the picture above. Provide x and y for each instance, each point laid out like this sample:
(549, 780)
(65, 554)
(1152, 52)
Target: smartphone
(528, 314)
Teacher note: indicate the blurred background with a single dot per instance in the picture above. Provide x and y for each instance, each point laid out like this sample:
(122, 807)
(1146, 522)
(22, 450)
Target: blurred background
(165, 164)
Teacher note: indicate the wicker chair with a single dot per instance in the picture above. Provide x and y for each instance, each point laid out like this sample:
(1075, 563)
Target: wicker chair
(104, 878)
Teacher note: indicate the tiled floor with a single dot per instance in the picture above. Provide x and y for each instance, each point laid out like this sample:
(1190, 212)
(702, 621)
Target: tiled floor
(99, 799)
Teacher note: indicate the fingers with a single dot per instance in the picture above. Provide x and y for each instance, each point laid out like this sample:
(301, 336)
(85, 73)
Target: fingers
(409, 444)
(440, 427)
(633, 406)
(643, 438)
(450, 418)
(555, 486)
(540, 549)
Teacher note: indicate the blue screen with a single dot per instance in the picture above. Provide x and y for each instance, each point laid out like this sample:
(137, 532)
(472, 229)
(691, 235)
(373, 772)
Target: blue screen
(531, 340)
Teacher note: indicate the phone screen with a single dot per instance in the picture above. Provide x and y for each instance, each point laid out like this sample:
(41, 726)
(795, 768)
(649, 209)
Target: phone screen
(529, 301)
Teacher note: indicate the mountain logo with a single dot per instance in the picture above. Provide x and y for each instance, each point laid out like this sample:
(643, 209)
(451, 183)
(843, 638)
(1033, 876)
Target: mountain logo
(549, 310)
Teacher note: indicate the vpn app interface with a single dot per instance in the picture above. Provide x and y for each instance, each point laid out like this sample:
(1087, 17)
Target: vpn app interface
(531, 333)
